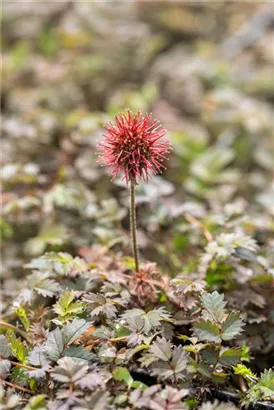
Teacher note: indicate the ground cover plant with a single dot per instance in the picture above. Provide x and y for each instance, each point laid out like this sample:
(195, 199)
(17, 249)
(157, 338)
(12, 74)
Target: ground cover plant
(137, 290)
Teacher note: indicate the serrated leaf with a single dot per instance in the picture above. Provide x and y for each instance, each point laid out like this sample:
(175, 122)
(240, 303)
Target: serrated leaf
(152, 319)
(37, 357)
(179, 359)
(266, 383)
(232, 326)
(161, 348)
(74, 330)
(47, 287)
(210, 355)
(206, 330)
(132, 313)
(97, 401)
(102, 333)
(54, 345)
(60, 263)
(68, 370)
(19, 349)
(156, 316)
(229, 357)
(39, 373)
(244, 371)
(58, 339)
(147, 359)
(66, 308)
(214, 304)
(90, 381)
(5, 347)
(98, 305)
(78, 353)
(204, 369)
(162, 370)
(4, 368)
(136, 327)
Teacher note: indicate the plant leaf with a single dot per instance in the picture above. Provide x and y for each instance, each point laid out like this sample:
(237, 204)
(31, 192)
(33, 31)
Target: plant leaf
(74, 330)
(230, 357)
(37, 403)
(54, 345)
(206, 330)
(5, 347)
(122, 374)
(214, 304)
(232, 326)
(161, 348)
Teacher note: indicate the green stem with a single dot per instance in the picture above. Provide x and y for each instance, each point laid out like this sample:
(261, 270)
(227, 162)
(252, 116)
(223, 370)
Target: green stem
(133, 225)
(16, 329)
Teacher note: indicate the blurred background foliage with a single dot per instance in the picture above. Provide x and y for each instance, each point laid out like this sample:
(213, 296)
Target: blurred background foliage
(205, 69)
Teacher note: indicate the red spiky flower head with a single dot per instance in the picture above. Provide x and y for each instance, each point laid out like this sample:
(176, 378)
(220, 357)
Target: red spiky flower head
(134, 145)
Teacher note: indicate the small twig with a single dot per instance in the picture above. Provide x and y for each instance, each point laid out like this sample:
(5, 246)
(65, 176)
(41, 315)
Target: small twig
(16, 329)
(70, 388)
(113, 340)
(191, 219)
(15, 386)
(133, 227)
(25, 366)
(242, 384)
(118, 339)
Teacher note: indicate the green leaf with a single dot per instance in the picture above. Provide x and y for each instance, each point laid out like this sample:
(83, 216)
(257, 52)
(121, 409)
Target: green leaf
(214, 304)
(266, 384)
(219, 377)
(21, 313)
(210, 355)
(230, 357)
(206, 330)
(37, 403)
(65, 308)
(122, 374)
(19, 349)
(204, 369)
(245, 372)
(232, 326)
(19, 376)
(138, 385)
(263, 389)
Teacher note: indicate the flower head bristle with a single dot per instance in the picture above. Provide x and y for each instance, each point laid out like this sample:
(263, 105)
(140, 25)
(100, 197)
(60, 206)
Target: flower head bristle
(134, 145)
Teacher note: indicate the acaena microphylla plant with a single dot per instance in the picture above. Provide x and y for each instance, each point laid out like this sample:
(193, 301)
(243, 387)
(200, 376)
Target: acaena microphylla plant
(134, 145)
